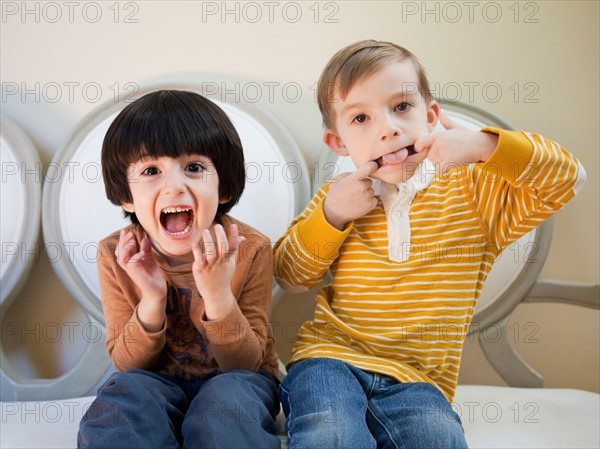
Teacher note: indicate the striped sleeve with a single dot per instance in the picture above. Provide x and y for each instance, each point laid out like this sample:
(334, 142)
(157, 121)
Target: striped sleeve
(524, 182)
(302, 257)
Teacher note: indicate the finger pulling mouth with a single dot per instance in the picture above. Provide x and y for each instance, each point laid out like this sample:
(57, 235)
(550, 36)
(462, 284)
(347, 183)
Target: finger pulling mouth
(411, 150)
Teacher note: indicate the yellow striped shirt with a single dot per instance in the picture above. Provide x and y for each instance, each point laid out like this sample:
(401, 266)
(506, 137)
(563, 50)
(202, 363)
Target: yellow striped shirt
(408, 320)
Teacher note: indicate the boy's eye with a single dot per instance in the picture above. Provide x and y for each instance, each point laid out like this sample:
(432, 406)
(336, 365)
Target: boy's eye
(195, 167)
(403, 106)
(360, 118)
(151, 171)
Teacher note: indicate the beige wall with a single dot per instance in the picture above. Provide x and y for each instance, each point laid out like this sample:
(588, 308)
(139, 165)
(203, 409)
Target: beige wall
(535, 64)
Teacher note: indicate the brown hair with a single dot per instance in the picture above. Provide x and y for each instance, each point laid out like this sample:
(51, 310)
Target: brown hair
(172, 123)
(355, 62)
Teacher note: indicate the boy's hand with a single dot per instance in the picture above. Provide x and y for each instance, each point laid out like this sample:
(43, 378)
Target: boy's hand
(351, 197)
(213, 269)
(143, 270)
(456, 146)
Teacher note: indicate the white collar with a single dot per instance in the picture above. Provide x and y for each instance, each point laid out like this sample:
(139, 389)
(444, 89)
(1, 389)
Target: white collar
(396, 202)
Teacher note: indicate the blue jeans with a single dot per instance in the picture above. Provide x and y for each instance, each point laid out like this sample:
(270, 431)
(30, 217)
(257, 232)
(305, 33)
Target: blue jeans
(143, 409)
(330, 404)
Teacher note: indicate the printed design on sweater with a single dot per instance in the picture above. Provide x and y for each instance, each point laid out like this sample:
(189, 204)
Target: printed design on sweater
(185, 339)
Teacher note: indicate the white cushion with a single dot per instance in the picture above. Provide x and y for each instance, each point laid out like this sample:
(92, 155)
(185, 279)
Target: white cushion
(42, 424)
(493, 417)
(503, 417)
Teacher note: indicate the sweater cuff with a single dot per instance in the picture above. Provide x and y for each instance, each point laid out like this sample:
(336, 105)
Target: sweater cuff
(512, 157)
(319, 237)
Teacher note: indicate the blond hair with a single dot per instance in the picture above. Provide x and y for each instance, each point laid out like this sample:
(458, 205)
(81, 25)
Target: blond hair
(355, 62)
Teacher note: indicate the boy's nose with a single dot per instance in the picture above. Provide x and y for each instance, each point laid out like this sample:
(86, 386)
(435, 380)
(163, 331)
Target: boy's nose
(173, 185)
(389, 134)
(388, 130)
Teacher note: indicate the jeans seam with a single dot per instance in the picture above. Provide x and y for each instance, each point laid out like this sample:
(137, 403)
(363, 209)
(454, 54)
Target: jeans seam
(373, 383)
(288, 417)
(376, 418)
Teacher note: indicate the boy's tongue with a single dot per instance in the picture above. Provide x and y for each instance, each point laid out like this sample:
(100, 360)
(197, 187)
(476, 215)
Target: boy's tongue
(397, 157)
(176, 222)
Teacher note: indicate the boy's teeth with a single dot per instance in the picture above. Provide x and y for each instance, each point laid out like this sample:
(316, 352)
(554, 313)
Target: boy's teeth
(172, 210)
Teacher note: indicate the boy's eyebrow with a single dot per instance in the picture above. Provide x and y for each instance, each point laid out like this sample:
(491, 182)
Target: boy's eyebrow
(411, 92)
(394, 96)
(403, 94)
(351, 106)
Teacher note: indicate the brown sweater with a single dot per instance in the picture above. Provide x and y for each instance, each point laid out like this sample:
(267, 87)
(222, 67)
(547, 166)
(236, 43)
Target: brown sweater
(189, 346)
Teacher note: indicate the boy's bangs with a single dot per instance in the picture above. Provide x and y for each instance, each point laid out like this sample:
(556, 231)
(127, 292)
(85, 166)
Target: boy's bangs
(173, 135)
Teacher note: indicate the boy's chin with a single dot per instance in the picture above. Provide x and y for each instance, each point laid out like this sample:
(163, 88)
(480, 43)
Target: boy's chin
(176, 249)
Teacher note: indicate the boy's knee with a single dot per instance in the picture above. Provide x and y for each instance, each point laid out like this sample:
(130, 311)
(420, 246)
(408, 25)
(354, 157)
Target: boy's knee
(123, 381)
(236, 379)
(443, 434)
(315, 371)
(239, 387)
(234, 375)
(435, 428)
(119, 381)
(235, 398)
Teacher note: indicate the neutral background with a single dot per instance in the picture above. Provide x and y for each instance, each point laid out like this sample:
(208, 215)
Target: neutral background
(535, 64)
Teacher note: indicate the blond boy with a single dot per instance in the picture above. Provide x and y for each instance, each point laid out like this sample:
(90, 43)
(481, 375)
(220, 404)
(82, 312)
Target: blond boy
(409, 239)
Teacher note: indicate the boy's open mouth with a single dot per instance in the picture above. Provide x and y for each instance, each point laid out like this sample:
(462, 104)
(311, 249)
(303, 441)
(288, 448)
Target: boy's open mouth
(396, 157)
(177, 221)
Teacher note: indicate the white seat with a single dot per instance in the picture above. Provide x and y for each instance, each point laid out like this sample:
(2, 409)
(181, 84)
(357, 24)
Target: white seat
(493, 417)
(509, 417)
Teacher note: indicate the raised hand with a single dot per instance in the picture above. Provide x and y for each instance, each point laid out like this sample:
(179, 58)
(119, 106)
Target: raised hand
(143, 270)
(213, 269)
(456, 145)
(351, 196)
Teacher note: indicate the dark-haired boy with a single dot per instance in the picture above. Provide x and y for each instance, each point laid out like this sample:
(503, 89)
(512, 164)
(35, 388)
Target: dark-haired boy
(185, 289)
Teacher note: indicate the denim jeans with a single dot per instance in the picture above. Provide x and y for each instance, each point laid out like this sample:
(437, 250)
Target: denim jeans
(142, 409)
(330, 404)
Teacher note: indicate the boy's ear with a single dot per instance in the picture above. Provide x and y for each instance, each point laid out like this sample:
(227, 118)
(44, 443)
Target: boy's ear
(128, 207)
(224, 200)
(433, 112)
(334, 141)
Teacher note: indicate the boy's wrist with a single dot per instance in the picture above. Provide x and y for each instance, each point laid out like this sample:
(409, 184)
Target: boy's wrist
(333, 218)
(218, 305)
(157, 298)
(489, 144)
(151, 315)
